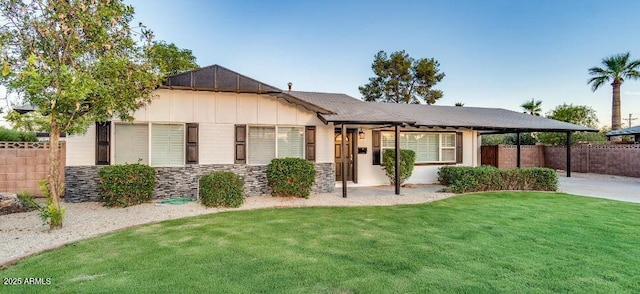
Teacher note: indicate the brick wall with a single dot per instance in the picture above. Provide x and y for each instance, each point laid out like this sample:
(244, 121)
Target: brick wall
(530, 156)
(621, 160)
(24, 164)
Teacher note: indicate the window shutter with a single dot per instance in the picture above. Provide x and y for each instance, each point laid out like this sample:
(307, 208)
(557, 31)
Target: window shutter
(375, 136)
(191, 144)
(310, 143)
(240, 144)
(458, 147)
(103, 146)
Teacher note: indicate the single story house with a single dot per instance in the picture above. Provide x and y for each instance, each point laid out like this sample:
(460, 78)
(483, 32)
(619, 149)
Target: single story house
(213, 118)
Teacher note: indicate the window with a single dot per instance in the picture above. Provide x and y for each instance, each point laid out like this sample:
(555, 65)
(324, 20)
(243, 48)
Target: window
(267, 143)
(166, 148)
(132, 143)
(429, 147)
(262, 147)
(167, 144)
(290, 142)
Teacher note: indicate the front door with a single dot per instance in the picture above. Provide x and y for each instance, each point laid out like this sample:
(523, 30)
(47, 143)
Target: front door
(348, 155)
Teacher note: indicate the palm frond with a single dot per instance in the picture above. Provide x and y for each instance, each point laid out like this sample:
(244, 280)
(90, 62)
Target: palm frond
(596, 82)
(594, 71)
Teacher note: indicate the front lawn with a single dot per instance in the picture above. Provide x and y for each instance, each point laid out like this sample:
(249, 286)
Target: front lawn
(508, 242)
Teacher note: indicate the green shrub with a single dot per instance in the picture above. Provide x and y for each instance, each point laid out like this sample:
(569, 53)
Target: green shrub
(49, 213)
(407, 161)
(27, 200)
(463, 179)
(290, 177)
(53, 214)
(8, 135)
(126, 184)
(540, 179)
(28, 137)
(224, 189)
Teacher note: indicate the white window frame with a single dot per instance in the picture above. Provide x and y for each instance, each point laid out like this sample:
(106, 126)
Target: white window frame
(441, 146)
(304, 139)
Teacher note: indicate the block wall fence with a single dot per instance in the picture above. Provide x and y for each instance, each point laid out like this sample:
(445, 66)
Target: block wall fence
(613, 159)
(24, 164)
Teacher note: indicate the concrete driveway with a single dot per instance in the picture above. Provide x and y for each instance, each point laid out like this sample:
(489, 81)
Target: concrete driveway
(601, 186)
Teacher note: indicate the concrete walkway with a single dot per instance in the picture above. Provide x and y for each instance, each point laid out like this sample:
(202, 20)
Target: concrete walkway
(601, 186)
(356, 191)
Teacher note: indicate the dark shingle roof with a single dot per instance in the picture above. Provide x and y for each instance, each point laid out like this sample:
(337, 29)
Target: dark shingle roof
(627, 131)
(347, 109)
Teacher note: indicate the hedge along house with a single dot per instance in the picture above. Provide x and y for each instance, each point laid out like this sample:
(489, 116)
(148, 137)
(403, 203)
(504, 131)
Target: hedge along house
(213, 119)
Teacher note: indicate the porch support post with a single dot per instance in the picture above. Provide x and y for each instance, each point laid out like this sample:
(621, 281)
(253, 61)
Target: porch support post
(397, 167)
(568, 154)
(518, 149)
(343, 159)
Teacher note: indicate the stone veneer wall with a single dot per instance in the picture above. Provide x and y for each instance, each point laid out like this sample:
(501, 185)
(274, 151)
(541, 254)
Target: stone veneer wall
(81, 183)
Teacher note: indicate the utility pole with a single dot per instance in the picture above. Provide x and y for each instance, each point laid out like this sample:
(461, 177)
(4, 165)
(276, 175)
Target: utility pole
(630, 119)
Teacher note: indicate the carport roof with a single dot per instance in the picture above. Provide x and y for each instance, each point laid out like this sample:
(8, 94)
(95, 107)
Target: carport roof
(627, 131)
(346, 109)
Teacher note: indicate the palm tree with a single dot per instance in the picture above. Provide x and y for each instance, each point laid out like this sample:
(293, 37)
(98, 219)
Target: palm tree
(532, 107)
(616, 69)
(459, 104)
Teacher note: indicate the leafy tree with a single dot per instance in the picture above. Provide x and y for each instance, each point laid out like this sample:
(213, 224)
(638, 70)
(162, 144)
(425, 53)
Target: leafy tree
(616, 69)
(170, 59)
(508, 139)
(402, 79)
(576, 114)
(77, 62)
(532, 107)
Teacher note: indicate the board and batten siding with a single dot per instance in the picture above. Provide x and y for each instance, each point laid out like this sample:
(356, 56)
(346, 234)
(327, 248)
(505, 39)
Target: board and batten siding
(216, 114)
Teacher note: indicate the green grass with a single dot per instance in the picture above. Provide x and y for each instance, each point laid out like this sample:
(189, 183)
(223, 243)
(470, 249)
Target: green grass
(509, 242)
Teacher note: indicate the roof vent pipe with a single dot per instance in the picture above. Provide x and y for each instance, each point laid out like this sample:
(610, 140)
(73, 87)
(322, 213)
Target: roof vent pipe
(290, 84)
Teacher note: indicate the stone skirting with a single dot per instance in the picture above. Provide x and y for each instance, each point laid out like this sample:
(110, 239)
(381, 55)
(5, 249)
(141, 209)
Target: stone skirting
(81, 183)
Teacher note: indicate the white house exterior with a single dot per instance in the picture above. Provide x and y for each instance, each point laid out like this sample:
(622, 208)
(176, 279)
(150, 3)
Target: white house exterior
(216, 119)
(216, 114)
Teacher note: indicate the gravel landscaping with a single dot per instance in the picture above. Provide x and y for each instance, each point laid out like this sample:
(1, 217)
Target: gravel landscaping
(23, 234)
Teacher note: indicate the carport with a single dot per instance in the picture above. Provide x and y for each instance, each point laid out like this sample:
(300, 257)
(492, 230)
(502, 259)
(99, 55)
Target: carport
(347, 112)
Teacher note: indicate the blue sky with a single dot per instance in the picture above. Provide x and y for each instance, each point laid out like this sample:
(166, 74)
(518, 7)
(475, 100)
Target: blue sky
(494, 53)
